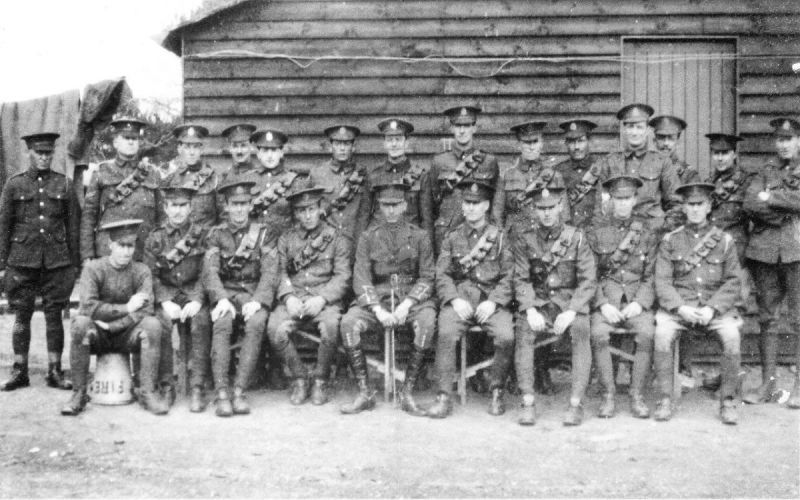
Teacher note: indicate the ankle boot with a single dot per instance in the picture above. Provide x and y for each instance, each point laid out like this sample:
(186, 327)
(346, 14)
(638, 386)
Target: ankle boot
(365, 400)
(240, 405)
(55, 377)
(77, 402)
(153, 402)
(299, 391)
(769, 353)
(223, 403)
(442, 407)
(528, 414)
(197, 402)
(19, 378)
(794, 397)
(415, 364)
(319, 392)
(574, 415)
(727, 411)
(497, 405)
(608, 406)
(641, 367)
(169, 393)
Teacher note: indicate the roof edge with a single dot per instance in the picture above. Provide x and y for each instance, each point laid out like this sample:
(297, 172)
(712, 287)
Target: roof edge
(170, 39)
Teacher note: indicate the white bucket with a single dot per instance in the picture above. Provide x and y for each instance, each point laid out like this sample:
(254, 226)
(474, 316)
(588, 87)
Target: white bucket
(112, 384)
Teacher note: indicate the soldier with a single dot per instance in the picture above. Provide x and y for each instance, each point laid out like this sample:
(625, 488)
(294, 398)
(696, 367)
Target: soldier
(625, 249)
(116, 315)
(512, 211)
(697, 283)
(39, 216)
(653, 168)
(238, 144)
(398, 168)
(174, 253)
(772, 200)
(393, 281)
(578, 172)
(474, 276)
(346, 181)
(462, 162)
(239, 269)
(667, 131)
(314, 270)
(193, 173)
(122, 188)
(554, 283)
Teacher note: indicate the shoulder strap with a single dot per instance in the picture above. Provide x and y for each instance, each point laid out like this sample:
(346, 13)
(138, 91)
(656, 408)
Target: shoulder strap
(704, 247)
(626, 245)
(546, 175)
(245, 249)
(273, 193)
(577, 192)
(174, 256)
(561, 245)
(481, 249)
(312, 250)
(412, 176)
(130, 183)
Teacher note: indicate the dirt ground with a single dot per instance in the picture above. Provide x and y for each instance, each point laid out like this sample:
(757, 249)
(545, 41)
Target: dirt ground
(308, 451)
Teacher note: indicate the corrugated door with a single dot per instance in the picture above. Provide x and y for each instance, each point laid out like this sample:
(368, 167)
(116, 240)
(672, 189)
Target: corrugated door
(693, 79)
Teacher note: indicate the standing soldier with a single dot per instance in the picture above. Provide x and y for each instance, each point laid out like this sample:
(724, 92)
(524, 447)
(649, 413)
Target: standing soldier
(347, 198)
(578, 172)
(667, 131)
(192, 173)
(122, 188)
(39, 216)
(772, 200)
(512, 208)
(554, 283)
(393, 282)
(653, 168)
(239, 269)
(314, 270)
(116, 315)
(462, 162)
(474, 276)
(697, 284)
(237, 138)
(174, 253)
(625, 249)
(398, 168)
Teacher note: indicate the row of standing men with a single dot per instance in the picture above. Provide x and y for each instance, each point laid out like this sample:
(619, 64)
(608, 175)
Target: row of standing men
(355, 204)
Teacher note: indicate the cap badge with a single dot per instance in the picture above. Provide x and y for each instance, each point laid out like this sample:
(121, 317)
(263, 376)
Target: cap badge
(268, 136)
(464, 112)
(474, 188)
(342, 130)
(545, 193)
(786, 125)
(191, 132)
(573, 126)
(393, 125)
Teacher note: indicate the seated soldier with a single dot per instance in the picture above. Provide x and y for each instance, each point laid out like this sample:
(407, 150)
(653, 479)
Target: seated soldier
(554, 283)
(174, 253)
(474, 276)
(314, 270)
(624, 246)
(697, 283)
(239, 270)
(116, 315)
(393, 282)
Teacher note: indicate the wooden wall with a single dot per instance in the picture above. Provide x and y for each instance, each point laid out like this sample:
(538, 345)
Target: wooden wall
(222, 89)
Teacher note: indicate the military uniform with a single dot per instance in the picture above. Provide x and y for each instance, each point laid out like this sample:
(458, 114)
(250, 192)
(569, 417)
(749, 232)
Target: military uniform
(476, 265)
(312, 263)
(119, 189)
(175, 255)
(240, 266)
(392, 260)
(697, 266)
(105, 290)
(238, 134)
(625, 251)
(579, 175)
(554, 271)
(39, 217)
(772, 200)
(419, 196)
(653, 168)
(456, 165)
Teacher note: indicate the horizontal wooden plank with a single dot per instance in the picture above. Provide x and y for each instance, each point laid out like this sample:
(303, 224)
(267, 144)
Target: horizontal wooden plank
(535, 26)
(775, 104)
(770, 84)
(466, 9)
(426, 122)
(417, 48)
(786, 45)
(283, 68)
(752, 123)
(402, 86)
(767, 66)
(763, 143)
(314, 105)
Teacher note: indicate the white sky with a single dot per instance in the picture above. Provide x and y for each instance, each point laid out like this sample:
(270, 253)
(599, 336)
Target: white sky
(49, 46)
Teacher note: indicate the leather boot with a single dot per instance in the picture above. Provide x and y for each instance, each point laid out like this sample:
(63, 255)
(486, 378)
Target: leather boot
(641, 367)
(415, 364)
(197, 403)
(497, 405)
(240, 405)
(527, 415)
(319, 392)
(663, 409)
(169, 393)
(574, 415)
(77, 402)
(299, 391)
(55, 377)
(769, 353)
(608, 406)
(19, 378)
(662, 362)
(727, 411)
(794, 397)
(365, 400)
(729, 366)
(153, 402)
(223, 403)
(639, 408)
(442, 408)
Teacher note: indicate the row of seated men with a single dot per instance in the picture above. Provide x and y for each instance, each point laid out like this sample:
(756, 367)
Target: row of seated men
(114, 195)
